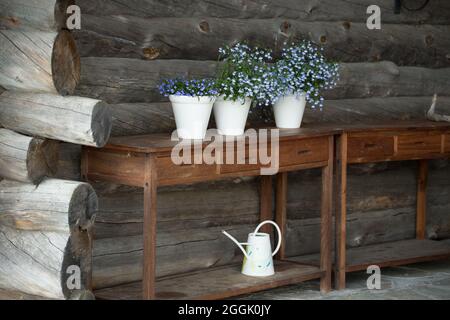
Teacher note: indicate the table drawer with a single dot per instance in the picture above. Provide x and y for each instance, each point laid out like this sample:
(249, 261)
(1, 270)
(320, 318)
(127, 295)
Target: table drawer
(369, 147)
(169, 172)
(419, 144)
(447, 143)
(295, 152)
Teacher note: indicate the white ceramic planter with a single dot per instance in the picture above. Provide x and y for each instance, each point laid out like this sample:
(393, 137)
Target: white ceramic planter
(191, 115)
(289, 110)
(231, 116)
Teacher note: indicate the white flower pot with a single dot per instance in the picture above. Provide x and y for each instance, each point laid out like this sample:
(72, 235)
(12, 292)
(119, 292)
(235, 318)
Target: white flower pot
(289, 110)
(231, 116)
(191, 115)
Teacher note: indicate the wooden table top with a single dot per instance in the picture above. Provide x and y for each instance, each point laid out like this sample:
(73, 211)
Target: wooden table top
(162, 142)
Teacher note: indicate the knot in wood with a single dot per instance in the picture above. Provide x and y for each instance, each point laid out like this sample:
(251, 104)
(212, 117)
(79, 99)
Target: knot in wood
(151, 53)
(285, 26)
(204, 26)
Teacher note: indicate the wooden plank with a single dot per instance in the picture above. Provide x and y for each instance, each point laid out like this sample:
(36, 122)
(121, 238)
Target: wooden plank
(215, 283)
(280, 210)
(421, 199)
(150, 212)
(118, 167)
(341, 214)
(266, 203)
(326, 220)
(388, 254)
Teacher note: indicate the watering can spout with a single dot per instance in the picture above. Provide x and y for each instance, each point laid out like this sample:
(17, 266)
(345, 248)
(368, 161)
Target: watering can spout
(237, 243)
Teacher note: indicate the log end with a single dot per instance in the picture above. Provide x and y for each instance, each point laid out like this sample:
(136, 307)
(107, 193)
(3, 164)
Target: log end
(82, 209)
(66, 66)
(43, 157)
(101, 124)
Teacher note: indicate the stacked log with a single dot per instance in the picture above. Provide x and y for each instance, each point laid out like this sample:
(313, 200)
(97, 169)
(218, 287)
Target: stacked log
(26, 159)
(45, 238)
(128, 46)
(49, 63)
(46, 15)
(118, 80)
(45, 223)
(344, 41)
(437, 12)
(72, 119)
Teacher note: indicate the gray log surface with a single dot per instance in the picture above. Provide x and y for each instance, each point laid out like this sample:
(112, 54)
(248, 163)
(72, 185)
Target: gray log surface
(72, 119)
(120, 80)
(47, 15)
(39, 61)
(437, 12)
(43, 231)
(200, 38)
(26, 159)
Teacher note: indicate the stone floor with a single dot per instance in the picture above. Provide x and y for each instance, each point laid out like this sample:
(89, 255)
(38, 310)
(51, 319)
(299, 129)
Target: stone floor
(423, 281)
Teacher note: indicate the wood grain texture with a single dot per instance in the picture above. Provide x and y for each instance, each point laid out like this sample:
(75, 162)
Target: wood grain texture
(280, 209)
(43, 231)
(437, 12)
(344, 41)
(157, 117)
(120, 80)
(39, 61)
(326, 219)
(422, 180)
(46, 15)
(71, 119)
(390, 254)
(26, 159)
(215, 283)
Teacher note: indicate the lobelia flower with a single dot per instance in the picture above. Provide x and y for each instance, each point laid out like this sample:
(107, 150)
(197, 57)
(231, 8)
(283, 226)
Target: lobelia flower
(242, 71)
(302, 69)
(184, 87)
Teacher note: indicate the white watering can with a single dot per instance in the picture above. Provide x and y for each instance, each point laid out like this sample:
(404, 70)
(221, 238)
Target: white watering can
(258, 260)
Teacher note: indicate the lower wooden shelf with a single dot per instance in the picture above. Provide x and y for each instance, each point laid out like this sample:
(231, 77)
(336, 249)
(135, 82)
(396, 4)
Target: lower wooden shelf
(215, 283)
(388, 254)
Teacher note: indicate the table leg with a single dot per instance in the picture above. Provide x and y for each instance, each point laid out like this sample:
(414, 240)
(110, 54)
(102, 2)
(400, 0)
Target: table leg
(266, 202)
(341, 214)
(326, 219)
(150, 194)
(421, 199)
(280, 211)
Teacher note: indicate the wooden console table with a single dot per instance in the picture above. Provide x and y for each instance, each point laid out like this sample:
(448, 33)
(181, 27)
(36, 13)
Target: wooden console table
(145, 161)
(418, 140)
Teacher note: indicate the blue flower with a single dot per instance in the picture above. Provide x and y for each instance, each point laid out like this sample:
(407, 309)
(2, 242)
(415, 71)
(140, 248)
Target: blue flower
(184, 87)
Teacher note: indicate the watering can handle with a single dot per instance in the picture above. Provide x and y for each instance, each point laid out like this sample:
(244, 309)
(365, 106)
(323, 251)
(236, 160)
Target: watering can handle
(278, 230)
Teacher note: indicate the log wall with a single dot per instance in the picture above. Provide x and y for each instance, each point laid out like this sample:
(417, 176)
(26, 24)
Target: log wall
(127, 46)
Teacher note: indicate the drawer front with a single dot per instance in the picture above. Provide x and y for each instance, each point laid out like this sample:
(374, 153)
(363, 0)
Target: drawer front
(367, 147)
(419, 144)
(248, 161)
(115, 167)
(447, 143)
(169, 172)
(302, 151)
